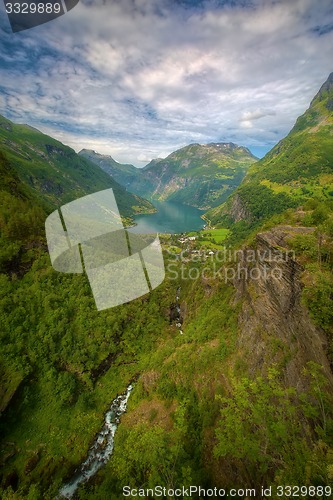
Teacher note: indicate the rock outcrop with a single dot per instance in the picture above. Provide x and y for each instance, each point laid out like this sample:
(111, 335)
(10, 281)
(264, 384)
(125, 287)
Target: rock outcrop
(238, 210)
(274, 325)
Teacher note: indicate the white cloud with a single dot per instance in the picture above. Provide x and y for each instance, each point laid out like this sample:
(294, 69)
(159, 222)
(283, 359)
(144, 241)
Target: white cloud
(256, 114)
(143, 158)
(246, 124)
(139, 82)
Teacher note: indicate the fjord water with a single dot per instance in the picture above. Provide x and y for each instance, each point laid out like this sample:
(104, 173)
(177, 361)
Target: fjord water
(170, 218)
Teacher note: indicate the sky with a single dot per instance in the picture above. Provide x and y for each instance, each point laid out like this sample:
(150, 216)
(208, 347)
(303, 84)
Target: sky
(138, 79)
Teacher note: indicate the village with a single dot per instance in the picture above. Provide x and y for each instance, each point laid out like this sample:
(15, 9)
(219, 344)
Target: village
(199, 245)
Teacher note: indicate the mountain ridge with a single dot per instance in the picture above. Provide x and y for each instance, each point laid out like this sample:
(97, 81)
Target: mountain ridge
(200, 175)
(240, 397)
(55, 170)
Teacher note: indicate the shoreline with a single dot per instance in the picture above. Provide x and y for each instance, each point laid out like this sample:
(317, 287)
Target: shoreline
(205, 218)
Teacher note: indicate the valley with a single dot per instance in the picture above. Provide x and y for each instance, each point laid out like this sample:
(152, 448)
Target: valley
(232, 355)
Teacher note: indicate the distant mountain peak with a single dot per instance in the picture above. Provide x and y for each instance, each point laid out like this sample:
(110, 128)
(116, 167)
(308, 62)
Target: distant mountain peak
(230, 145)
(85, 151)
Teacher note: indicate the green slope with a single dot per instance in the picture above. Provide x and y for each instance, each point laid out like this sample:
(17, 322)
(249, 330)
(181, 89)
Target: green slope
(240, 400)
(198, 175)
(299, 167)
(22, 217)
(55, 171)
(125, 174)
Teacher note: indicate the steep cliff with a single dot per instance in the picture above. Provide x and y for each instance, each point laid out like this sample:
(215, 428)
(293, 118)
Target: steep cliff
(280, 367)
(274, 324)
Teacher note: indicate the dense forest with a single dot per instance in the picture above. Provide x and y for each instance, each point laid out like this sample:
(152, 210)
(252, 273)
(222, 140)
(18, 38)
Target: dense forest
(62, 364)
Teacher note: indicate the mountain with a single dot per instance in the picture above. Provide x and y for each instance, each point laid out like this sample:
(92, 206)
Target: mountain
(299, 167)
(125, 174)
(55, 172)
(198, 175)
(240, 398)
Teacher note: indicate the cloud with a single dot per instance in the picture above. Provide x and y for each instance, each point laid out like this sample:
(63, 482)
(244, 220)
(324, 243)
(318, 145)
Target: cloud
(137, 79)
(247, 118)
(144, 158)
(256, 114)
(246, 124)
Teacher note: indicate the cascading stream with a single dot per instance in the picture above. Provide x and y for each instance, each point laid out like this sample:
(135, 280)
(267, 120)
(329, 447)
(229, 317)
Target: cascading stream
(178, 319)
(101, 451)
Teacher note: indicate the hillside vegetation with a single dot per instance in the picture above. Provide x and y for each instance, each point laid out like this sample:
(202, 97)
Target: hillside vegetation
(238, 396)
(202, 176)
(56, 173)
(125, 174)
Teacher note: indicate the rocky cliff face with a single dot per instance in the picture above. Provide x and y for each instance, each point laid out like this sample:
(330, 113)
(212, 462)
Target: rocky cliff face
(274, 325)
(238, 211)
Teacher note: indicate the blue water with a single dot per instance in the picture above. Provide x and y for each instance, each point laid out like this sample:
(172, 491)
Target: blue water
(170, 218)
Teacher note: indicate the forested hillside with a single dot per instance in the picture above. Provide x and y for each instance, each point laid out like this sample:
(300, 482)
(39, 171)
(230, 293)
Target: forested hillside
(231, 357)
(200, 175)
(56, 173)
(250, 348)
